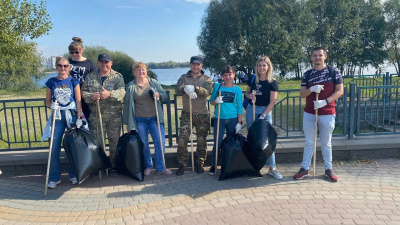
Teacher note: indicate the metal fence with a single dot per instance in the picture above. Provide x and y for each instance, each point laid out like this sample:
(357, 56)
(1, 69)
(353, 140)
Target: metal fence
(360, 111)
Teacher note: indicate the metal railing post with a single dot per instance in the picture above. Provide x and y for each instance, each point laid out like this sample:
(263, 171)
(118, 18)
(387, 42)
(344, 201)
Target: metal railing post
(351, 111)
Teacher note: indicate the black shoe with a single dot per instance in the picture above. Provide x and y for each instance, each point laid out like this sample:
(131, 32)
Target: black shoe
(212, 171)
(200, 168)
(181, 170)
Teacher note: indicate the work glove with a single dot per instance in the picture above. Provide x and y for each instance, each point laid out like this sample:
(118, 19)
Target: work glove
(238, 127)
(262, 116)
(317, 88)
(319, 104)
(54, 106)
(78, 123)
(189, 89)
(193, 95)
(219, 100)
(151, 93)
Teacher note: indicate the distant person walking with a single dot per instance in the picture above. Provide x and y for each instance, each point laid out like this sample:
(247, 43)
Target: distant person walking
(141, 115)
(328, 82)
(80, 67)
(196, 86)
(106, 86)
(266, 90)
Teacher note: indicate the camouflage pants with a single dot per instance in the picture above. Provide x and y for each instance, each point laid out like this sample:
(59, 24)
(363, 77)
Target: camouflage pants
(112, 127)
(202, 124)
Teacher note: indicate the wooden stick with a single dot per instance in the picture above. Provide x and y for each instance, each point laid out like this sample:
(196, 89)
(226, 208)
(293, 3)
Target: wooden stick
(216, 144)
(315, 138)
(102, 131)
(51, 146)
(254, 107)
(159, 131)
(191, 131)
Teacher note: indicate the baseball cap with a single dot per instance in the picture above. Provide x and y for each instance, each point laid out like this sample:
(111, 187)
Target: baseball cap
(196, 59)
(104, 56)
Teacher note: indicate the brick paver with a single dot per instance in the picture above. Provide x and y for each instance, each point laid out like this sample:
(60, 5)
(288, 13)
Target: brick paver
(367, 193)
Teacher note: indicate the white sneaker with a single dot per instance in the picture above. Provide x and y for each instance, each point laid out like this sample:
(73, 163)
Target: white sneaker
(165, 172)
(275, 174)
(73, 180)
(53, 184)
(147, 171)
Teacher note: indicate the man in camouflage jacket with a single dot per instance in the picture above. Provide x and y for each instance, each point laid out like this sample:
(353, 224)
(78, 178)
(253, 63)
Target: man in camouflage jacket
(196, 86)
(107, 86)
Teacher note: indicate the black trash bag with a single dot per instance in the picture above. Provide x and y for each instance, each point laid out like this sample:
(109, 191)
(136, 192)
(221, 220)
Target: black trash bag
(235, 161)
(130, 156)
(85, 153)
(261, 140)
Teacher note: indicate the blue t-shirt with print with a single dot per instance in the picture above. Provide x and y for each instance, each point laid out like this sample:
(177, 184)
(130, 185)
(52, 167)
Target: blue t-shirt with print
(232, 101)
(62, 90)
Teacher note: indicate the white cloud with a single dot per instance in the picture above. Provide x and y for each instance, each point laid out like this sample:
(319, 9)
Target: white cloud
(199, 1)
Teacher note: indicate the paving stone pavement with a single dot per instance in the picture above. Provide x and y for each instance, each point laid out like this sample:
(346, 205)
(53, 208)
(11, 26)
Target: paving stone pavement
(368, 192)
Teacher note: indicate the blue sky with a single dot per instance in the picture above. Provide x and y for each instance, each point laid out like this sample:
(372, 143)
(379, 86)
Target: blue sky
(147, 30)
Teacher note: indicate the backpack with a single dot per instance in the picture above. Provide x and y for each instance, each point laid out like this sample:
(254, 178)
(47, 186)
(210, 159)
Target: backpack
(245, 99)
(331, 73)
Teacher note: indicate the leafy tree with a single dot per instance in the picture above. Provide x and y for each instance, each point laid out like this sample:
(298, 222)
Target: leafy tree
(21, 20)
(122, 62)
(392, 14)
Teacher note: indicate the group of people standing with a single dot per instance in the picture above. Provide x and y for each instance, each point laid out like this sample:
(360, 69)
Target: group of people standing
(83, 92)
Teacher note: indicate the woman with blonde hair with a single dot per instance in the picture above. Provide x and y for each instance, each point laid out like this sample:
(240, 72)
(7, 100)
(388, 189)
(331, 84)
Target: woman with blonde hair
(140, 114)
(265, 89)
(63, 95)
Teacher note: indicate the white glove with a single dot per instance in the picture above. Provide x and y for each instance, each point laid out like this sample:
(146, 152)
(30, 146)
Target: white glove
(218, 100)
(238, 127)
(319, 104)
(189, 89)
(193, 95)
(78, 123)
(262, 116)
(54, 106)
(317, 88)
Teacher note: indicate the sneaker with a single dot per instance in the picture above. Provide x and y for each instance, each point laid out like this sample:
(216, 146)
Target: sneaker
(181, 170)
(212, 171)
(165, 172)
(200, 168)
(147, 171)
(275, 174)
(73, 180)
(53, 184)
(331, 176)
(301, 174)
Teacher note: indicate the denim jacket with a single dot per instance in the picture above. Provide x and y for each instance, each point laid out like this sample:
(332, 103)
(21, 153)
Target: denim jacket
(128, 117)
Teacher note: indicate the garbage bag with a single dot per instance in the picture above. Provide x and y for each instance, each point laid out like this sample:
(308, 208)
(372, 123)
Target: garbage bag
(235, 160)
(130, 156)
(261, 139)
(85, 153)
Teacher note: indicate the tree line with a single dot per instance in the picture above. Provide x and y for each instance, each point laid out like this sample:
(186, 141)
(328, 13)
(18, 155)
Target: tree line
(167, 65)
(356, 33)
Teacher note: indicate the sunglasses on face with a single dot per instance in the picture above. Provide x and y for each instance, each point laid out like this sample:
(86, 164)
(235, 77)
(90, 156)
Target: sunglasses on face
(65, 66)
(75, 52)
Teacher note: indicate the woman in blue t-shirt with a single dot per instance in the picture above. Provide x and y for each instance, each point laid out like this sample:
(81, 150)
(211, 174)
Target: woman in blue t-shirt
(68, 110)
(266, 91)
(230, 103)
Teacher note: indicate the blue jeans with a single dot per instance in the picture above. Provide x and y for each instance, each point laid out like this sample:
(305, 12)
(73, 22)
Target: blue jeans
(146, 125)
(224, 124)
(326, 124)
(55, 165)
(249, 120)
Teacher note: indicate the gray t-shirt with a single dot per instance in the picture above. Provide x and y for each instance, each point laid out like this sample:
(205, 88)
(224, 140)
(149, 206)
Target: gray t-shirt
(144, 104)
